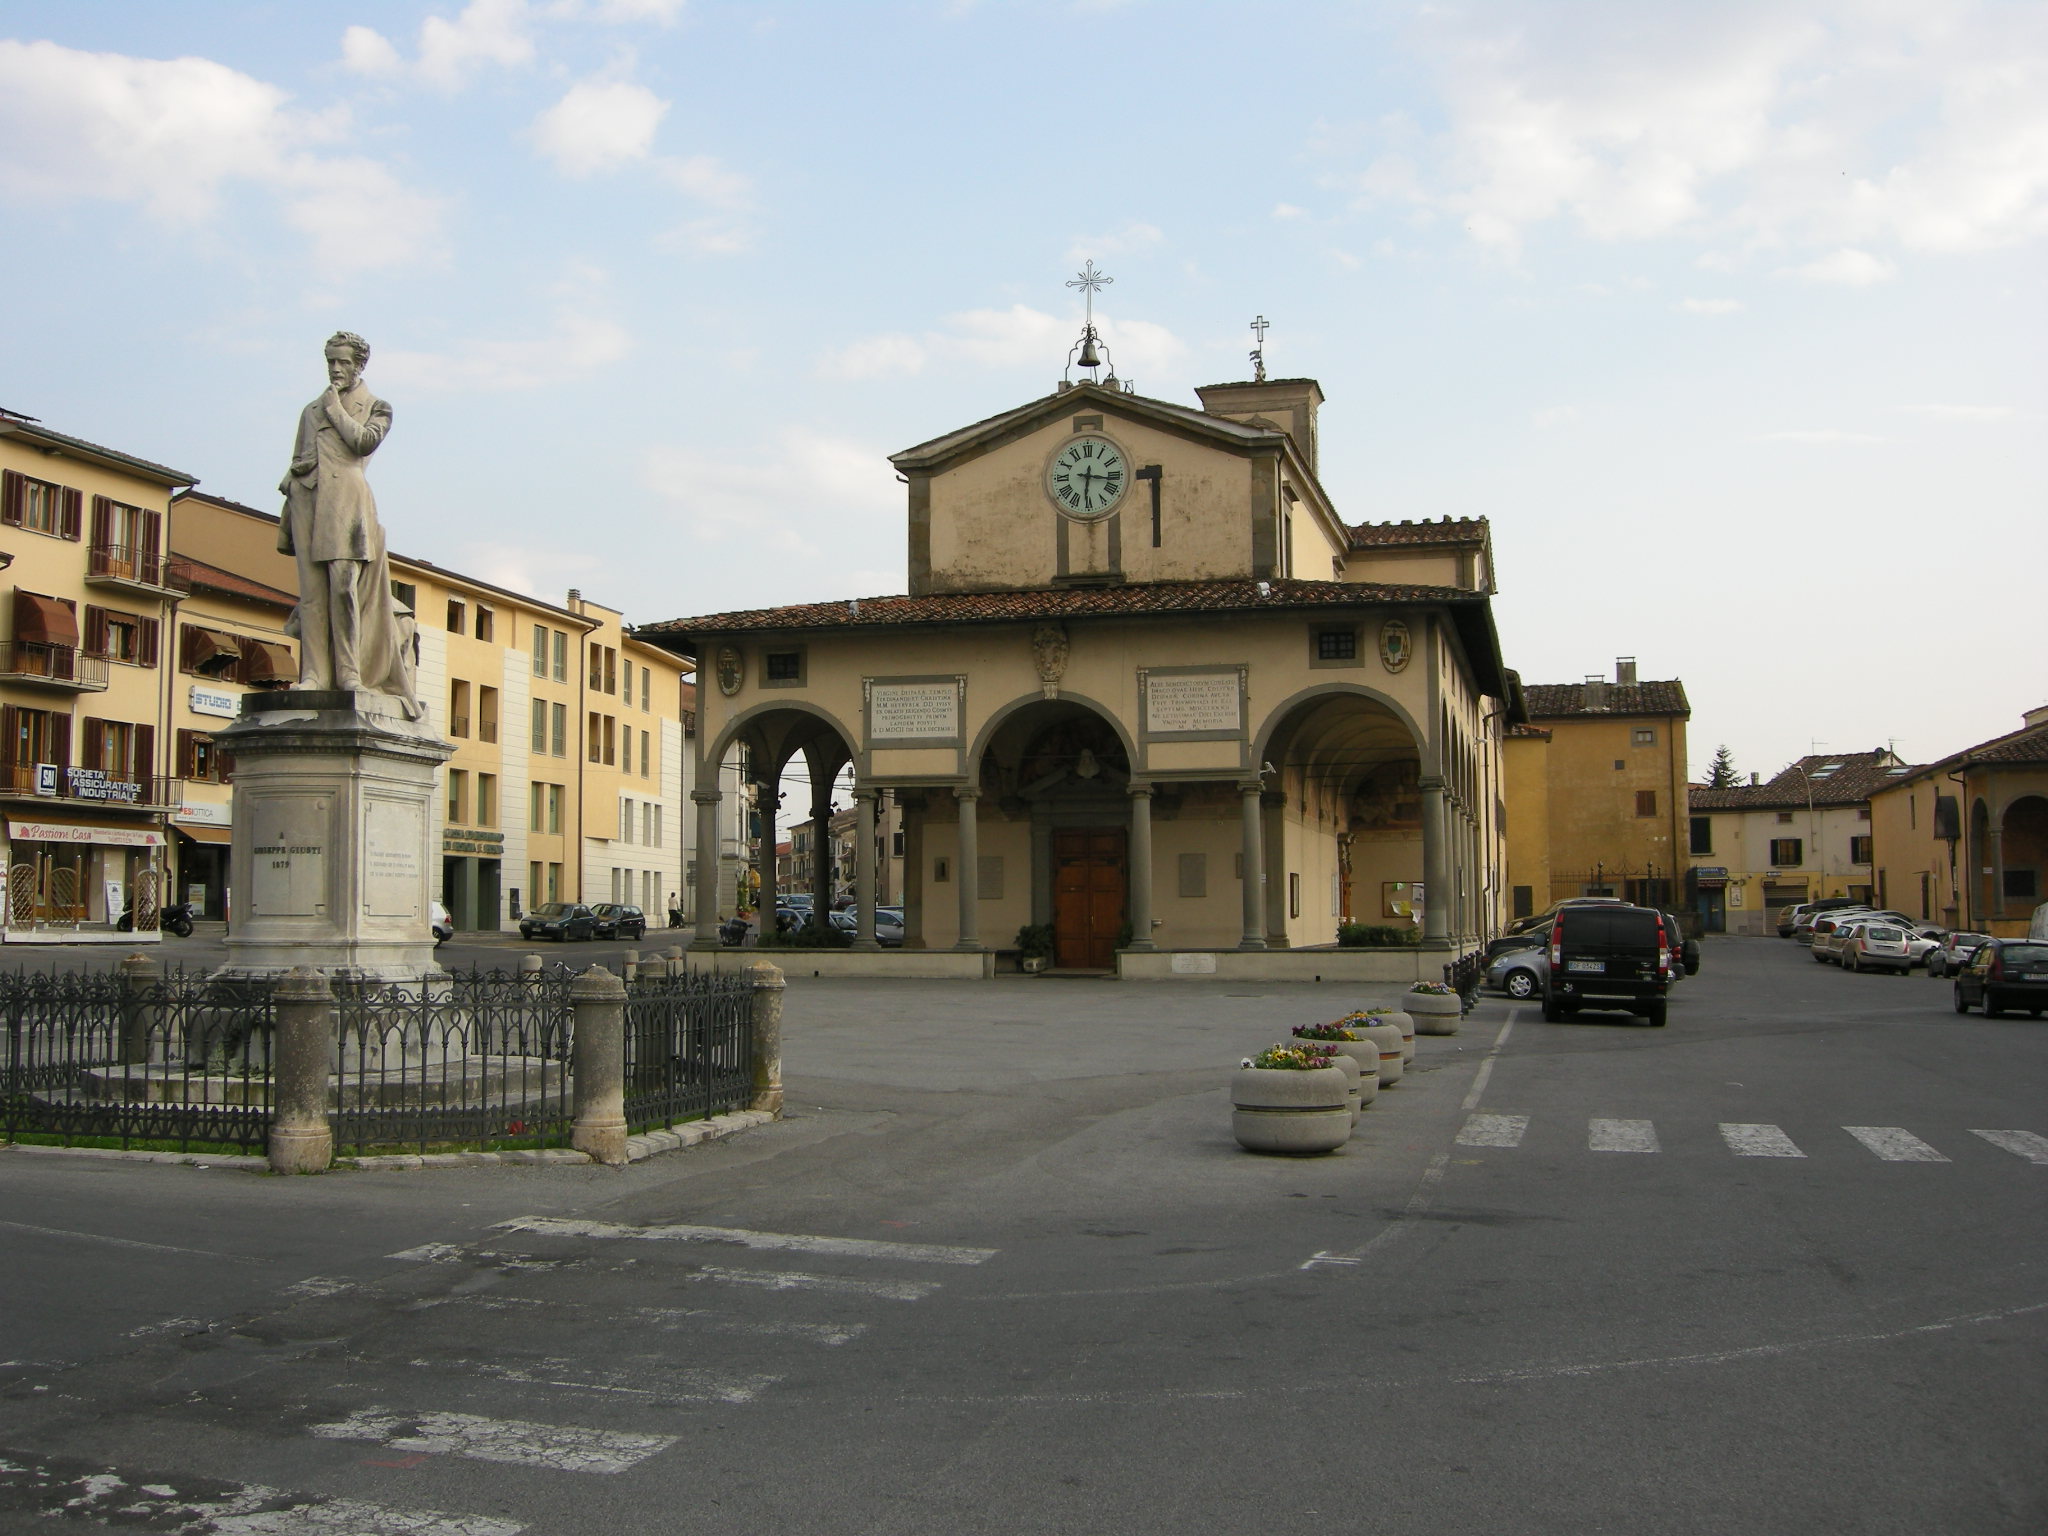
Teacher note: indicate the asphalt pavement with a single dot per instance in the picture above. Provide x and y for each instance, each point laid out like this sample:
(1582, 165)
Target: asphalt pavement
(1777, 1267)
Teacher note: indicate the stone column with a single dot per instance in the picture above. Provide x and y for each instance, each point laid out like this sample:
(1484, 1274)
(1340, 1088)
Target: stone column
(1141, 866)
(139, 974)
(968, 875)
(1994, 851)
(301, 1137)
(864, 871)
(767, 1036)
(767, 900)
(1274, 803)
(598, 1060)
(706, 894)
(1436, 868)
(821, 858)
(1254, 892)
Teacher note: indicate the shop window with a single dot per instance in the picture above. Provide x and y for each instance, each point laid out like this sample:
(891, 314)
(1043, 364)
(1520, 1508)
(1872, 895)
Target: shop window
(1788, 852)
(1646, 802)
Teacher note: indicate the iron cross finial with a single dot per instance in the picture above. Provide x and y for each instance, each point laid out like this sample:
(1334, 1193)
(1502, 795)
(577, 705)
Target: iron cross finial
(1260, 325)
(1090, 282)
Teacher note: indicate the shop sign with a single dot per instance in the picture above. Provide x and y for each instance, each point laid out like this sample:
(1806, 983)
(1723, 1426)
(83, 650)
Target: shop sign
(467, 840)
(46, 779)
(211, 701)
(199, 813)
(1708, 877)
(98, 784)
(66, 832)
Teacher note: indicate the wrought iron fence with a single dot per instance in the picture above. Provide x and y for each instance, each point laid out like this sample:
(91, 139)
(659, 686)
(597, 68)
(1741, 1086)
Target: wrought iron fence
(178, 1063)
(689, 1047)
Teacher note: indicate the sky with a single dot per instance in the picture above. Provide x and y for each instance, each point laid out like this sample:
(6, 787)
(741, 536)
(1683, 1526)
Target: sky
(1729, 316)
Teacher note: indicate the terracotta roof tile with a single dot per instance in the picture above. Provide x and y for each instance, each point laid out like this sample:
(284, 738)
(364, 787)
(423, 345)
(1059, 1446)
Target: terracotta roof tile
(1535, 731)
(1837, 778)
(2028, 745)
(1060, 603)
(1451, 530)
(1549, 701)
(199, 576)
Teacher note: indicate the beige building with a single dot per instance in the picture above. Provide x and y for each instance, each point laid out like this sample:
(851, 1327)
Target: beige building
(1596, 791)
(85, 762)
(1803, 835)
(1147, 688)
(1964, 841)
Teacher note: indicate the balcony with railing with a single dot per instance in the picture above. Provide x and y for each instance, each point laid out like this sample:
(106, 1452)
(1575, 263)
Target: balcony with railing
(57, 784)
(132, 570)
(458, 725)
(487, 729)
(45, 664)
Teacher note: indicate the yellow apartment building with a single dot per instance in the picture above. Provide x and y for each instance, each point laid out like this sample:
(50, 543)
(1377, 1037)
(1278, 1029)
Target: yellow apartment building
(1804, 835)
(1596, 791)
(85, 770)
(1964, 841)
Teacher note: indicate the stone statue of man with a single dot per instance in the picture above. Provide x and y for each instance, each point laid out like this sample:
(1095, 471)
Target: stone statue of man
(346, 621)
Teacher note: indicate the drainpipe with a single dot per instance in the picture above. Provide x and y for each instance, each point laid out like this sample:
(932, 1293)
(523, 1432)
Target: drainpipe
(1965, 893)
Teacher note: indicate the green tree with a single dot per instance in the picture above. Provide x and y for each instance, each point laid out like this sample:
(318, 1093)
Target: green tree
(1721, 772)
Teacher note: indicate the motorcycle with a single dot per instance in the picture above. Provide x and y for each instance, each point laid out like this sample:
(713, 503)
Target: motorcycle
(175, 918)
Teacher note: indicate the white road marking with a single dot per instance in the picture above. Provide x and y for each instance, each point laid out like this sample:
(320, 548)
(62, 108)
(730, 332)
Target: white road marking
(1622, 1136)
(1894, 1145)
(1759, 1141)
(352, 1517)
(1486, 1067)
(797, 1280)
(126, 1242)
(428, 1253)
(168, 1325)
(660, 1385)
(668, 1319)
(844, 1247)
(319, 1285)
(1493, 1131)
(1318, 1260)
(2021, 1143)
(562, 1447)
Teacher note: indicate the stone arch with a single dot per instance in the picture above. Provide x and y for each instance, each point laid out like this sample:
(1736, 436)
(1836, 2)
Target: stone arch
(1281, 713)
(747, 720)
(1002, 716)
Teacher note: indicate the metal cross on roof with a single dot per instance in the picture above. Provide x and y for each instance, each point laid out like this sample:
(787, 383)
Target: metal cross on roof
(1260, 325)
(1090, 282)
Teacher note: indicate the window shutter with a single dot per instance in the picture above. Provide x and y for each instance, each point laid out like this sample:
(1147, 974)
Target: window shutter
(95, 637)
(224, 766)
(60, 742)
(186, 770)
(102, 521)
(94, 754)
(71, 511)
(146, 641)
(10, 498)
(10, 735)
(145, 752)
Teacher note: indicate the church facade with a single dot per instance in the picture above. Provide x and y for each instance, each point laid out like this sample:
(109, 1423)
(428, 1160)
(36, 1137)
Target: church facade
(1148, 690)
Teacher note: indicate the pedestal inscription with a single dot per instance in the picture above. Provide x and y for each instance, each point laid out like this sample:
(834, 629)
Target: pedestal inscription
(288, 860)
(393, 836)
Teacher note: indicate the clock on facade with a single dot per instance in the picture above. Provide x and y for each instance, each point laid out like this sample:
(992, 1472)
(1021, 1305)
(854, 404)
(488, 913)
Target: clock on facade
(1087, 477)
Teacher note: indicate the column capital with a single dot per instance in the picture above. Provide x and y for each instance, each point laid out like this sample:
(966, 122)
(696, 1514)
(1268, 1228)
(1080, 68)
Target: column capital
(866, 792)
(1431, 782)
(966, 791)
(707, 796)
(1251, 786)
(1134, 789)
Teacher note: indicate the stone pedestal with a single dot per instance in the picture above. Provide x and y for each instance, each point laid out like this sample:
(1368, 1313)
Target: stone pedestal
(331, 866)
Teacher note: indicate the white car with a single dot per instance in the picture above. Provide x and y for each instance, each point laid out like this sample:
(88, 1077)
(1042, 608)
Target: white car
(1874, 946)
(443, 925)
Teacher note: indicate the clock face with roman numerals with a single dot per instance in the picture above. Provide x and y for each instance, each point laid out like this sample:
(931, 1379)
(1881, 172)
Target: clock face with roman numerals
(1088, 477)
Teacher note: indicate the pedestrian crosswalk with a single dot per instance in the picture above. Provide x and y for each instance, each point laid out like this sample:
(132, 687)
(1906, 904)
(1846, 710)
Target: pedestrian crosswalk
(455, 1373)
(1889, 1143)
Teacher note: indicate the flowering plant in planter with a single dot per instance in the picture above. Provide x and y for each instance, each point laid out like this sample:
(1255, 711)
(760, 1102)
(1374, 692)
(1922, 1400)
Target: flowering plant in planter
(1338, 1030)
(1434, 988)
(1291, 1058)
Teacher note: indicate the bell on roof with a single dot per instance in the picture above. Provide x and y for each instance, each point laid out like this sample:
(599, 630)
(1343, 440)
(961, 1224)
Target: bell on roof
(1090, 358)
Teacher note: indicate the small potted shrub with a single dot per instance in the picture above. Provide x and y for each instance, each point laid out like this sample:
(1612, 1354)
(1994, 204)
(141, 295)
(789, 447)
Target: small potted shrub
(1436, 1007)
(1034, 947)
(1290, 1098)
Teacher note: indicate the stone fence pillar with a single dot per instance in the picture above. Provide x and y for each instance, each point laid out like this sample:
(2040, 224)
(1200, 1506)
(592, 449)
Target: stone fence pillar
(139, 974)
(767, 1024)
(598, 1059)
(301, 1136)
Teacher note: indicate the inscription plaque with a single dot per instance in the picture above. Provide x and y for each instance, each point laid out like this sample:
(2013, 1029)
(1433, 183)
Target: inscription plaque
(914, 711)
(1200, 701)
(392, 839)
(288, 861)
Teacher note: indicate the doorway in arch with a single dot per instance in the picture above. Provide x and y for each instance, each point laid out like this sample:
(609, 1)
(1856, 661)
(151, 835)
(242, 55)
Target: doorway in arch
(1087, 897)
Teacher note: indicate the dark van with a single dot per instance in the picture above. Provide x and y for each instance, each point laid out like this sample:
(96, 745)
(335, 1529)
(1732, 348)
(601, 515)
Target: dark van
(1610, 957)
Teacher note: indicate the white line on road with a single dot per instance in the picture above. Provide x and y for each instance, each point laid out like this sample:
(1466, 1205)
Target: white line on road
(562, 1447)
(1894, 1145)
(661, 1385)
(352, 1517)
(126, 1242)
(428, 1253)
(1621, 1136)
(843, 1247)
(669, 1319)
(1759, 1141)
(1493, 1131)
(797, 1280)
(1486, 1067)
(314, 1286)
(2021, 1143)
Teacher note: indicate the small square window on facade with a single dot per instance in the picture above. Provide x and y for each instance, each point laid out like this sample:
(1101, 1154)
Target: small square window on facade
(1336, 645)
(942, 871)
(1644, 736)
(1784, 818)
(1619, 765)
(782, 668)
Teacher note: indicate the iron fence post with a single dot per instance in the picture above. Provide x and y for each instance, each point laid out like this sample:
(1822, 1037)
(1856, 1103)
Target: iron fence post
(301, 1135)
(139, 976)
(767, 1031)
(598, 1061)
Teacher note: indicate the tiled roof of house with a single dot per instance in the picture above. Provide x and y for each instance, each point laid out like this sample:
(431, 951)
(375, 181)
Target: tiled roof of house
(1833, 778)
(15, 425)
(1450, 530)
(1163, 597)
(1536, 731)
(1549, 701)
(200, 576)
(2027, 745)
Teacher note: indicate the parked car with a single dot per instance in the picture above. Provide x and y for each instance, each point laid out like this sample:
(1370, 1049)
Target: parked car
(1788, 917)
(2005, 973)
(1953, 953)
(1688, 946)
(889, 927)
(617, 920)
(1510, 942)
(1610, 956)
(1822, 937)
(1540, 922)
(1803, 926)
(1874, 946)
(442, 924)
(560, 921)
(1520, 972)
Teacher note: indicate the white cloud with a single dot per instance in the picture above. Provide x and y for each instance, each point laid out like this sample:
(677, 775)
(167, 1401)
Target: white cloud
(366, 51)
(543, 573)
(1819, 435)
(1711, 306)
(802, 479)
(581, 340)
(1849, 267)
(1014, 338)
(704, 178)
(1555, 416)
(449, 51)
(1288, 211)
(727, 229)
(173, 135)
(599, 125)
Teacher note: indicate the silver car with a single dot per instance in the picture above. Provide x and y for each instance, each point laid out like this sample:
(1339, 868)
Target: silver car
(1874, 946)
(1520, 972)
(1953, 953)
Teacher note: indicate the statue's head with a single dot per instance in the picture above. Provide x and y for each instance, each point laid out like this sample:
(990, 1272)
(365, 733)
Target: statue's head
(347, 355)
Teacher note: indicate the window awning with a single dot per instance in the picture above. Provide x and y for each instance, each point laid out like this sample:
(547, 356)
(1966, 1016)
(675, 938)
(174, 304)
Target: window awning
(112, 833)
(269, 662)
(206, 834)
(47, 620)
(205, 647)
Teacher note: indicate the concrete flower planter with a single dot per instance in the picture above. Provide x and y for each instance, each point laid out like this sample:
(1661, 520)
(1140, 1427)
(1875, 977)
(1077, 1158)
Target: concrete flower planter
(1386, 1039)
(1406, 1024)
(1367, 1056)
(1276, 1110)
(1435, 1015)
